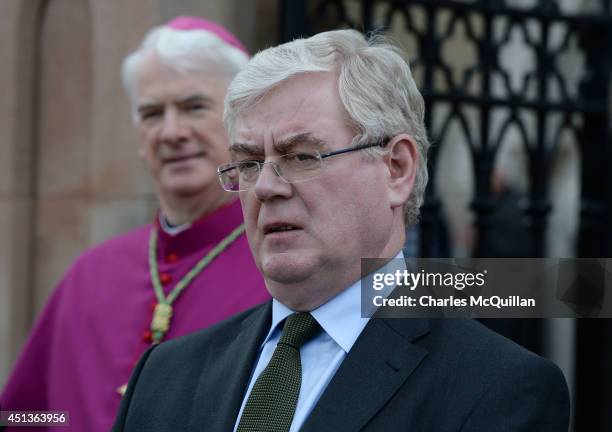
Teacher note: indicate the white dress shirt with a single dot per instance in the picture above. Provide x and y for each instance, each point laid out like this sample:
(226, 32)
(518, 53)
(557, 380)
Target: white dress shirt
(341, 321)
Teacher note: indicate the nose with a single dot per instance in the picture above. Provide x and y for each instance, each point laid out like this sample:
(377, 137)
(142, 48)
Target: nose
(270, 185)
(173, 129)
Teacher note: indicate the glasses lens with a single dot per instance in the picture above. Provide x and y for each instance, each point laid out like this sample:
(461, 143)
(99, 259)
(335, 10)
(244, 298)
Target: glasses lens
(249, 171)
(228, 176)
(238, 177)
(300, 166)
(292, 167)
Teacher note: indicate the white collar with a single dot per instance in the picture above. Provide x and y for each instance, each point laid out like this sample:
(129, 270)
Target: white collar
(340, 317)
(172, 230)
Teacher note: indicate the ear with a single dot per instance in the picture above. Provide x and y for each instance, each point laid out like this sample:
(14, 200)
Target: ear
(402, 161)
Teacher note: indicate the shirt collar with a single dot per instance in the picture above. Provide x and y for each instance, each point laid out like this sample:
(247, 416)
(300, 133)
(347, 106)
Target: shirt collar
(171, 230)
(202, 234)
(340, 317)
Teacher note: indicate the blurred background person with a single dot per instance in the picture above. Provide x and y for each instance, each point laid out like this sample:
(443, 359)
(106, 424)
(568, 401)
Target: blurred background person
(166, 279)
(59, 79)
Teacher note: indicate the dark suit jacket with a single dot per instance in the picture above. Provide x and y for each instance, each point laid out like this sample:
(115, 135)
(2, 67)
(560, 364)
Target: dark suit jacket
(401, 375)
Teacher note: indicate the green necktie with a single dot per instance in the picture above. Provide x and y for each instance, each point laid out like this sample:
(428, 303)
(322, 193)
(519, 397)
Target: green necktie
(271, 404)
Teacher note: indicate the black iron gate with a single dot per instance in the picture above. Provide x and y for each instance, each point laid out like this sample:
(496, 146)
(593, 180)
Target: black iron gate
(544, 107)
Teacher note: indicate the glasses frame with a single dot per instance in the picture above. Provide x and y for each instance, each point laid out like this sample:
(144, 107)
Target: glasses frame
(234, 165)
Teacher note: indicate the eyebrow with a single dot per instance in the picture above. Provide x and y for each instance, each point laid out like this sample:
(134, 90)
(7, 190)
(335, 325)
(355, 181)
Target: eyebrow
(283, 146)
(287, 145)
(198, 97)
(245, 149)
(149, 106)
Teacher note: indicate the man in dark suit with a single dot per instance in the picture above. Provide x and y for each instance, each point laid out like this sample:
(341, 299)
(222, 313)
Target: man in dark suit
(329, 157)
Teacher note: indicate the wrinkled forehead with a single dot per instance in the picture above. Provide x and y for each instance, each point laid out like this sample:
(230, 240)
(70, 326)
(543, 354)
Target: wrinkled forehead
(295, 142)
(303, 110)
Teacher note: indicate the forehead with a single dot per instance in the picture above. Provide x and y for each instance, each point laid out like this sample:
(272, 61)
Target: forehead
(155, 80)
(308, 104)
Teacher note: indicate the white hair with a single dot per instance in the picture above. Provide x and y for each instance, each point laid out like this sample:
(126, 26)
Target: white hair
(192, 51)
(375, 86)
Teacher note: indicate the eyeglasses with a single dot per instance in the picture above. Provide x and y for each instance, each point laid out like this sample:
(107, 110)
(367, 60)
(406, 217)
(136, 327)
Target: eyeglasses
(292, 168)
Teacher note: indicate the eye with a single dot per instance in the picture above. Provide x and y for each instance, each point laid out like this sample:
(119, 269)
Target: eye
(301, 157)
(302, 160)
(194, 105)
(151, 114)
(247, 166)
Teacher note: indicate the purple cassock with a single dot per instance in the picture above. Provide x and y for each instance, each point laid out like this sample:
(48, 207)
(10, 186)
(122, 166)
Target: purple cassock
(95, 326)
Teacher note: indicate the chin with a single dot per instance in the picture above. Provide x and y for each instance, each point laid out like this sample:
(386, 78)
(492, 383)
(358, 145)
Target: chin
(185, 185)
(184, 191)
(288, 268)
(189, 174)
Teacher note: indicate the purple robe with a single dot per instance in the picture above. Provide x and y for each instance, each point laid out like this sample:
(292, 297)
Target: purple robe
(92, 331)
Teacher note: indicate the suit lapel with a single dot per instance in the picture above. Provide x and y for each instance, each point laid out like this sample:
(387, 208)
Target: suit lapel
(226, 373)
(378, 364)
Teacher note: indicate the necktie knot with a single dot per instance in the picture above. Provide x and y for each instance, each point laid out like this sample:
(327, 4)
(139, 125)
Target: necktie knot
(299, 328)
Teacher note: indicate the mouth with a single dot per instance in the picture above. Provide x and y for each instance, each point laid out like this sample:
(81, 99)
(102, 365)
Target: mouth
(280, 227)
(183, 158)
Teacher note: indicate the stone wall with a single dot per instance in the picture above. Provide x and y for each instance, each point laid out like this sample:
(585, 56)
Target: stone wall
(69, 174)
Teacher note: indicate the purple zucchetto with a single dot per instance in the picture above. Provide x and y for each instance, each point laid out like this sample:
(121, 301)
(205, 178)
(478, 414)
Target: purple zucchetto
(197, 23)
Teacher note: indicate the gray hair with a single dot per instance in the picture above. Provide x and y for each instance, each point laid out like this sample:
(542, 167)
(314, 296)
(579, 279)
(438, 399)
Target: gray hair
(375, 85)
(186, 52)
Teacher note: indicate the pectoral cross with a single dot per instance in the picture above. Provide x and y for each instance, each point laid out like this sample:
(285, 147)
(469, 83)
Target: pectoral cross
(160, 323)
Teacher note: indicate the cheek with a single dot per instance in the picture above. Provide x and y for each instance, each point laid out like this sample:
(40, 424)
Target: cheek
(331, 214)
(250, 213)
(146, 148)
(349, 210)
(215, 138)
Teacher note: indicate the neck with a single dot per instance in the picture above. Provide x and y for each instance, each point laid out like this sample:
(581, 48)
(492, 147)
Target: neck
(307, 295)
(182, 210)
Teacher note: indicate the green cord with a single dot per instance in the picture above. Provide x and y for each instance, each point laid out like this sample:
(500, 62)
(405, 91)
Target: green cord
(186, 280)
